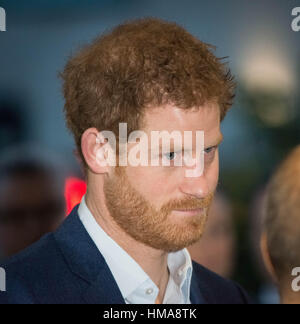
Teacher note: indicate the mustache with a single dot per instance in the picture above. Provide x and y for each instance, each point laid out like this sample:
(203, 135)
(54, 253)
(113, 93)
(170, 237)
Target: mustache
(188, 203)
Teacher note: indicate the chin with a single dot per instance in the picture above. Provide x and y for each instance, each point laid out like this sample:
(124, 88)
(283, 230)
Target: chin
(183, 240)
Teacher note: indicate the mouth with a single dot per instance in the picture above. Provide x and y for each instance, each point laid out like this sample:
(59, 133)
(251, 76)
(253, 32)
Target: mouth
(189, 212)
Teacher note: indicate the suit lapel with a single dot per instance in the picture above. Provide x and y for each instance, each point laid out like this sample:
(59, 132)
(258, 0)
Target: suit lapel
(196, 291)
(103, 290)
(87, 263)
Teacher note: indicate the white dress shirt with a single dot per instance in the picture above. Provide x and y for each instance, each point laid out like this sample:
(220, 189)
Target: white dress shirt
(135, 285)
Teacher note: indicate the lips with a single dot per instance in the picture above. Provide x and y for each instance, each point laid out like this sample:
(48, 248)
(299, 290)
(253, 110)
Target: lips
(194, 209)
(189, 212)
(189, 209)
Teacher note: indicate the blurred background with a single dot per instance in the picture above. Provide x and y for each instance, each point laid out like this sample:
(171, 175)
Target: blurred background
(36, 151)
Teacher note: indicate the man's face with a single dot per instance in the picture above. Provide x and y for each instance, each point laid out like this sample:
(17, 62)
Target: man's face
(150, 203)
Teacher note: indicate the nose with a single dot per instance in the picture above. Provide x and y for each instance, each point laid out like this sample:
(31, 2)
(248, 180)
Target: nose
(195, 186)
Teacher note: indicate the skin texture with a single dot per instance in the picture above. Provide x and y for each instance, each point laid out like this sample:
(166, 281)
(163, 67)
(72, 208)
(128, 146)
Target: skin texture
(134, 205)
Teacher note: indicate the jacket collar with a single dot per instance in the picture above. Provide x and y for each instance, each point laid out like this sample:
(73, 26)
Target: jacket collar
(85, 261)
(196, 293)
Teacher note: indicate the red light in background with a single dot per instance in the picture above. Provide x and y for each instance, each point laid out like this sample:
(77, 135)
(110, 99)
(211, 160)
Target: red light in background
(75, 188)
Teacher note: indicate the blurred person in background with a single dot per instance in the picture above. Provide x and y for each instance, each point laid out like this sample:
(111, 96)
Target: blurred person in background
(31, 197)
(216, 248)
(266, 292)
(280, 241)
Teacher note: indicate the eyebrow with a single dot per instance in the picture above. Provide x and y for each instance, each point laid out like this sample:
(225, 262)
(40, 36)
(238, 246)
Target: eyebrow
(216, 143)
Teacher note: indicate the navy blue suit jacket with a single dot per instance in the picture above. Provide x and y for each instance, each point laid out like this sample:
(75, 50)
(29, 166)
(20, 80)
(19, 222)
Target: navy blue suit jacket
(65, 267)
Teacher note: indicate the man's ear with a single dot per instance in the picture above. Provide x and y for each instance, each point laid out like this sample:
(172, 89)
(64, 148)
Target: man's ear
(95, 151)
(266, 256)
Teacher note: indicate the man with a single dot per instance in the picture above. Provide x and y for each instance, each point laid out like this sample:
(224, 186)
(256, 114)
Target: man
(281, 237)
(125, 242)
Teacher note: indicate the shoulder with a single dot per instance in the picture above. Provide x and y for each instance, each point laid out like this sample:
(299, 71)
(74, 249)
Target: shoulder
(29, 268)
(218, 290)
(37, 253)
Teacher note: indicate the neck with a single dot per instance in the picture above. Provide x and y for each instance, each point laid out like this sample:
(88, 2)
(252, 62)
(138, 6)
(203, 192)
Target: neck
(155, 264)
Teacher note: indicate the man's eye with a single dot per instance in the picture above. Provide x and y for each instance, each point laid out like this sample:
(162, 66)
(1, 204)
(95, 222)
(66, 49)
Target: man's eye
(170, 156)
(209, 149)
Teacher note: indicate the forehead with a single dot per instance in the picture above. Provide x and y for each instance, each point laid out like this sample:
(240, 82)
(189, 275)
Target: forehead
(171, 118)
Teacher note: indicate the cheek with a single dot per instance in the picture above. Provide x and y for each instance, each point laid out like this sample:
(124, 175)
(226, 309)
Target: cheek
(150, 182)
